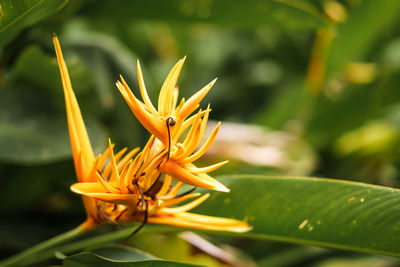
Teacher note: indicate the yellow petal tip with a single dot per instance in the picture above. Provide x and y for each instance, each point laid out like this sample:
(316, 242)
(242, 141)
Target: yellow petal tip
(222, 188)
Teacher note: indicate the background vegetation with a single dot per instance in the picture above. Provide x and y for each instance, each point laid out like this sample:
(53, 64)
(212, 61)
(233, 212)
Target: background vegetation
(305, 88)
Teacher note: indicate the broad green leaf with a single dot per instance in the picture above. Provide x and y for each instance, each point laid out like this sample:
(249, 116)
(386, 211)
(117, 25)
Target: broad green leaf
(355, 262)
(41, 70)
(304, 210)
(299, 15)
(121, 253)
(117, 256)
(314, 211)
(78, 35)
(30, 133)
(100, 52)
(18, 15)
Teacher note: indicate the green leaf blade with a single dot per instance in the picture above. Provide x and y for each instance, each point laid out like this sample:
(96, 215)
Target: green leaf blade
(17, 15)
(117, 256)
(366, 23)
(322, 212)
(291, 15)
(29, 135)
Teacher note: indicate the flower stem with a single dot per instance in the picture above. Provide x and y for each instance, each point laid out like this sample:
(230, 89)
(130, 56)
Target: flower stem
(30, 256)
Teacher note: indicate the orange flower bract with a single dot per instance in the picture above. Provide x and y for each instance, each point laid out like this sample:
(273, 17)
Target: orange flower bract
(138, 185)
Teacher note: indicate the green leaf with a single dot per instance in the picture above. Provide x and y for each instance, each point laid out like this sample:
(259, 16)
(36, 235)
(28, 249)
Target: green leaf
(112, 47)
(299, 15)
(18, 15)
(39, 69)
(112, 255)
(365, 24)
(32, 133)
(314, 211)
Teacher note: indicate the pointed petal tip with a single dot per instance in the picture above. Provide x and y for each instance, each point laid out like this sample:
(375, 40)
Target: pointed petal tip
(73, 189)
(220, 187)
(122, 80)
(223, 189)
(241, 228)
(183, 60)
(222, 163)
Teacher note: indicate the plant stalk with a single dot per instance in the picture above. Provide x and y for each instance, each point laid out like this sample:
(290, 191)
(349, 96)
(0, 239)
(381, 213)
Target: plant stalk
(29, 256)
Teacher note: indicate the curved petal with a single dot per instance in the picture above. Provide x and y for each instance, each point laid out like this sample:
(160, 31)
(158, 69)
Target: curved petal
(84, 188)
(176, 200)
(207, 169)
(198, 221)
(175, 170)
(190, 105)
(186, 207)
(96, 191)
(166, 92)
(79, 138)
(143, 90)
(205, 146)
(152, 123)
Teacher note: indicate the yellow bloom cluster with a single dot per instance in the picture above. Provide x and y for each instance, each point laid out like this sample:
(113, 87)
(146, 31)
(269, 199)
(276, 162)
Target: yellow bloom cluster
(139, 185)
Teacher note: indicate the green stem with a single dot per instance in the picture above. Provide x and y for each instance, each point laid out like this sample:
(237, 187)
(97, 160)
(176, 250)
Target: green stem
(28, 256)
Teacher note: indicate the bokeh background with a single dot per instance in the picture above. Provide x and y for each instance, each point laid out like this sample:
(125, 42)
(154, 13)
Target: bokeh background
(308, 88)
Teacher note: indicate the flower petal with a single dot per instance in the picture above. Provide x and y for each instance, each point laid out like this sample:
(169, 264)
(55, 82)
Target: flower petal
(152, 123)
(170, 202)
(165, 187)
(207, 169)
(143, 90)
(190, 105)
(186, 207)
(205, 146)
(95, 190)
(79, 138)
(197, 221)
(166, 92)
(178, 172)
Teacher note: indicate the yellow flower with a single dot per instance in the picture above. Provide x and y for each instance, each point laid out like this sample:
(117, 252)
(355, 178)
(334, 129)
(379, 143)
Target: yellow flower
(169, 122)
(122, 187)
(125, 181)
(131, 191)
(179, 164)
(124, 198)
(179, 216)
(165, 122)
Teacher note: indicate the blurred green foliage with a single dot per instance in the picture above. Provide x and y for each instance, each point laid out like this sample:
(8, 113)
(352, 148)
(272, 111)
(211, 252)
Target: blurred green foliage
(287, 66)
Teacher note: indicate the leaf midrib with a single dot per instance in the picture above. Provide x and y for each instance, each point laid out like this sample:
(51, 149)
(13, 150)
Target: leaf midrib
(21, 16)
